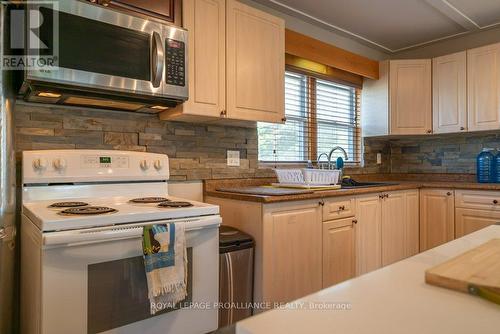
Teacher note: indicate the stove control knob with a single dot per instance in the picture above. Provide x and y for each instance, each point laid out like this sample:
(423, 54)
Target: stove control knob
(39, 164)
(158, 164)
(144, 165)
(59, 164)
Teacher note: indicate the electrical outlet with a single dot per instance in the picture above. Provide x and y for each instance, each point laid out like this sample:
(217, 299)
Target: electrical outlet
(233, 158)
(379, 158)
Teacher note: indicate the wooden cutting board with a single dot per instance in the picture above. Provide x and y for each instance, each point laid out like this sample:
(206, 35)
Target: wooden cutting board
(266, 191)
(476, 271)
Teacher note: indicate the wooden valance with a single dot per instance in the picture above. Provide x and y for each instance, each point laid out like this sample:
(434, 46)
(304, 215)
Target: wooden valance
(305, 47)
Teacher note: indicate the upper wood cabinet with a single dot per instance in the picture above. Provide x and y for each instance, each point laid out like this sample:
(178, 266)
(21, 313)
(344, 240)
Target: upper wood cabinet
(410, 96)
(437, 217)
(236, 63)
(483, 85)
(255, 64)
(339, 252)
(205, 20)
(165, 10)
(449, 78)
(399, 103)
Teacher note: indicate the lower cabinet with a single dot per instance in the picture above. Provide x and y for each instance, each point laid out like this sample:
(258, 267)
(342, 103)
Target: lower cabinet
(293, 250)
(400, 230)
(437, 217)
(339, 252)
(471, 220)
(387, 229)
(368, 233)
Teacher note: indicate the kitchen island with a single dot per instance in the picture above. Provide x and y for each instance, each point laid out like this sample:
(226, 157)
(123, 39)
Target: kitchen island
(394, 299)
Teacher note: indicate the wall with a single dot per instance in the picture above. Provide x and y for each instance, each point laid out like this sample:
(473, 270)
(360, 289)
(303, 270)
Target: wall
(450, 153)
(196, 151)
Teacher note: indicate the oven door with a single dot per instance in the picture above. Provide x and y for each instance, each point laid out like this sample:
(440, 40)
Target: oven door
(101, 48)
(93, 281)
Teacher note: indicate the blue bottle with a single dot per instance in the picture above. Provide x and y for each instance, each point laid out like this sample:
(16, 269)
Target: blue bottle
(486, 166)
(497, 166)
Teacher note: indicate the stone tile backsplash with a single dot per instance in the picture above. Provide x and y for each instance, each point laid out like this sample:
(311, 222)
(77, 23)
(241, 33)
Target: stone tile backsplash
(196, 151)
(447, 153)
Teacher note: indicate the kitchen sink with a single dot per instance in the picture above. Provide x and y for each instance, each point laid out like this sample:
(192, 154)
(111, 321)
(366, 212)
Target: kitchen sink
(367, 185)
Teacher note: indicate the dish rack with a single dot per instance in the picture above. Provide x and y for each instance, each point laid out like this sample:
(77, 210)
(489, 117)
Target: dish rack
(307, 177)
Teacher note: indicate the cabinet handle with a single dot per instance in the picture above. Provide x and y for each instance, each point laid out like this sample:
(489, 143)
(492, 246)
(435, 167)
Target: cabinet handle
(223, 113)
(380, 196)
(495, 201)
(354, 221)
(321, 203)
(341, 208)
(386, 195)
(283, 119)
(429, 131)
(448, 193)
(462, 128)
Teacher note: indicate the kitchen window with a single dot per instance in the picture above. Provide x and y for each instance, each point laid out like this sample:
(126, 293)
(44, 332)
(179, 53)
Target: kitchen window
(320, 114)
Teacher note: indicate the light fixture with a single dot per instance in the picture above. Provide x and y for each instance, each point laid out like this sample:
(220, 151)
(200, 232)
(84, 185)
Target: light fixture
(159, 107)
(48, 94)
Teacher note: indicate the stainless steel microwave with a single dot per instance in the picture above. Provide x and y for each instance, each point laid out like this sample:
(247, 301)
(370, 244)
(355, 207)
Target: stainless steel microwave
(108, 59)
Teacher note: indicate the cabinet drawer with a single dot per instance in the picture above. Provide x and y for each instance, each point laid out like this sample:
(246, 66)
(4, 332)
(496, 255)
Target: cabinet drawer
(471, 220)
(477, 199)
(339, 208)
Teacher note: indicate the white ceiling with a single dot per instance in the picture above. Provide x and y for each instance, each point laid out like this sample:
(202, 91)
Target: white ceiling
(395, 25)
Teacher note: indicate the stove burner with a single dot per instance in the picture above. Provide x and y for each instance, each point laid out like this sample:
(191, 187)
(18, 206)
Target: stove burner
(175, 204)
(67, 204)
(149, 200)
(88, 210)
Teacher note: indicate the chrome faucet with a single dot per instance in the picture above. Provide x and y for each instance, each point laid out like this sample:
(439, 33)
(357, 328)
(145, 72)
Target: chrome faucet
(341, 170)
(333, 150)
(319, 158)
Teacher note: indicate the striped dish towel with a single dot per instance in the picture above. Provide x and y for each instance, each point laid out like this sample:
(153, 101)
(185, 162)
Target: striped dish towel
(165, 262)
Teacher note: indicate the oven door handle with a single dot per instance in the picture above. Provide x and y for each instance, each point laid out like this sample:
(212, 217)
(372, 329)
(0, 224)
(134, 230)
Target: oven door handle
(157, 59)
(111, 233)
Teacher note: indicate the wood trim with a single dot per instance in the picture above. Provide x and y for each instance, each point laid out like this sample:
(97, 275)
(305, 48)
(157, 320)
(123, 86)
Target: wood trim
(312, 120)
(311, 68)
(312, 49)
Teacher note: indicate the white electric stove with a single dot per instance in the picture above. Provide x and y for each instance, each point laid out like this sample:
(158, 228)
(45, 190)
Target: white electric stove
(81, 250)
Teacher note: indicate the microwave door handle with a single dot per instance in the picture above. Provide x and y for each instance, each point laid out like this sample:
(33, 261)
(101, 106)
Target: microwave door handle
(157, 59)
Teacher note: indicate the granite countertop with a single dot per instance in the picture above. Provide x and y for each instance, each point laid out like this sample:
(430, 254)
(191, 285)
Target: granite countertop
(401, 185)
(394, 299)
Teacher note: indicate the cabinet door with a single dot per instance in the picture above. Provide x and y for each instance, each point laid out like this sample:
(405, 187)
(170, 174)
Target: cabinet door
(410, 96)
(471, 220)
(449, 93)
(412, 223)
(339, 253)
(368, 233)
(393, 227)
(255, 64)
(437, 217)
(400, 225)
(292, 249)
(205, 20)
(483, 89)
(167, 10)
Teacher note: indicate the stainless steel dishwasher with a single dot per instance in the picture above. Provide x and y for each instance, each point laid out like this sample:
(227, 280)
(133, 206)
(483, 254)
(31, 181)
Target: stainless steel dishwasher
(235, 275)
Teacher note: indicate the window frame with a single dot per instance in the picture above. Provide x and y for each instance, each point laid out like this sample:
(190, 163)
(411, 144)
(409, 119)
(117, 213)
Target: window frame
(312, 122)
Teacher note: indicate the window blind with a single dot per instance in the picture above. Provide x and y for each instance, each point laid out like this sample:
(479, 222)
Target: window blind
(320, 115)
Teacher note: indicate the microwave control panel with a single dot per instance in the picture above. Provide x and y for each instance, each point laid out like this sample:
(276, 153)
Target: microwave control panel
(176, 64)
